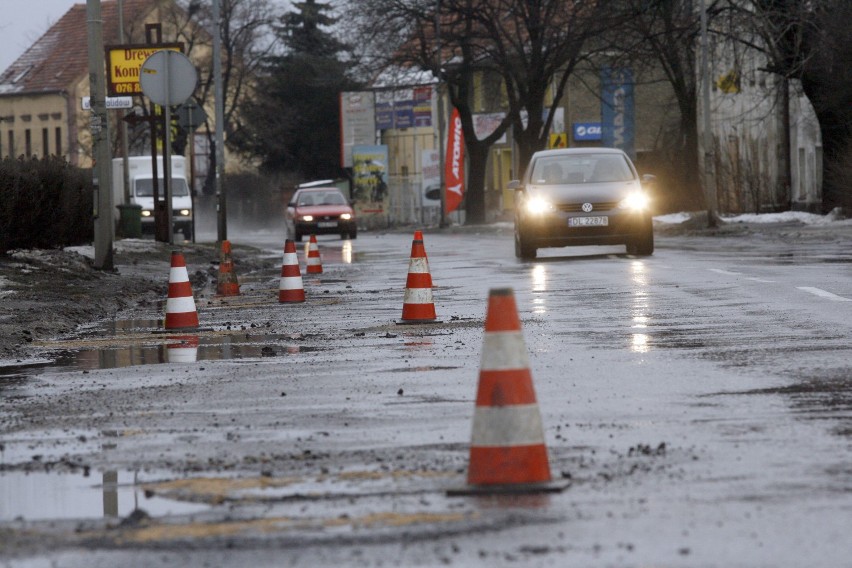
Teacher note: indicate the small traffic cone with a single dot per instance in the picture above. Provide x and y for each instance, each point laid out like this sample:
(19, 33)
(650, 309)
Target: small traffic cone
(227, 284)
(180, 305)
(290, 289)
(507, 451)
(417, 305)
(314, 262)
(184, 350)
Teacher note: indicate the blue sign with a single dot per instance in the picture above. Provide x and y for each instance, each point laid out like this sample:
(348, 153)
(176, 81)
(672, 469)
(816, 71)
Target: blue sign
(617, 128)
(586, 131)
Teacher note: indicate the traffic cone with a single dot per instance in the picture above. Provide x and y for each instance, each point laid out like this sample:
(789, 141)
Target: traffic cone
(314, 262)
(290, 289)
(417, 305)
(184, 350)
(227, 284)
(507, 451)
(180, 305)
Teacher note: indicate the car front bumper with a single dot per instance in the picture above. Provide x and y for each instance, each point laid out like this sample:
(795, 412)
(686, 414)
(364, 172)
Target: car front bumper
(553, 230)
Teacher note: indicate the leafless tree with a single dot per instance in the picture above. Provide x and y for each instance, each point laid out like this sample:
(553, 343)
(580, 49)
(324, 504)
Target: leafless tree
(523, 49)
(812, 42)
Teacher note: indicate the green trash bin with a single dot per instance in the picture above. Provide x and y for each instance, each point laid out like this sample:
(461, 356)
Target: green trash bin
(130, 221)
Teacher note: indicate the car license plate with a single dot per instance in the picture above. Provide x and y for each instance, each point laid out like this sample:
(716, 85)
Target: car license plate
(588, 221)
(326, 224)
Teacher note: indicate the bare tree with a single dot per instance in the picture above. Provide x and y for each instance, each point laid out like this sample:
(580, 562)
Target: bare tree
(812, 43)
(244, 27)
(531, 47)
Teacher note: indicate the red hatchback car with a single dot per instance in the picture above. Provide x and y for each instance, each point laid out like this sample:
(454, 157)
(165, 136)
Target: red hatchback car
(320, 211)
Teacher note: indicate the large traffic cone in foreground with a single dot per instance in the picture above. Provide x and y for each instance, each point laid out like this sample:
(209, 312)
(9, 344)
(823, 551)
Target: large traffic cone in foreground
(314, 262)
(180, 305)
(507, 450)
(227, 284)
(417, 305)
(290, 290)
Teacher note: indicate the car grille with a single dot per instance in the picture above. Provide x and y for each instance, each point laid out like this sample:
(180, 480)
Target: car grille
(578, 207)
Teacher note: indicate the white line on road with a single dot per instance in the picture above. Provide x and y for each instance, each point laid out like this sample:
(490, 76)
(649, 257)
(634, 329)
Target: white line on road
(761, 280)
(720, 271)
(824, 294)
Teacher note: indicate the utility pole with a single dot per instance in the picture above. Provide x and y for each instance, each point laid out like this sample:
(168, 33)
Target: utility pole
(219, 104)
(709, 154)
(98, 125)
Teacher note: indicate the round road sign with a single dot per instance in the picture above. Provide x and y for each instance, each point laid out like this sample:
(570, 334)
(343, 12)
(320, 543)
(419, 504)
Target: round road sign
(168, 77)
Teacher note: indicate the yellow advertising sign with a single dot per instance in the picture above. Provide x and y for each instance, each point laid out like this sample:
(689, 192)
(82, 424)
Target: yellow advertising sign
(124, 62)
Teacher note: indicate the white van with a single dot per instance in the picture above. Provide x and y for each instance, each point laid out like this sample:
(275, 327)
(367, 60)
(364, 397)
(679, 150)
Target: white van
(142, 190)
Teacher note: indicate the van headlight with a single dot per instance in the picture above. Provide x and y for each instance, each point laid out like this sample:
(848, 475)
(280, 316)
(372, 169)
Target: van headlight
(537, 206)
(637, 201)
(307, 218)
(147, 212)
(184, 212)
(346, 216)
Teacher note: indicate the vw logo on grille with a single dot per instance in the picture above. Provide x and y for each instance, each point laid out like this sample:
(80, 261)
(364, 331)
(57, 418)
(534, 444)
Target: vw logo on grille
(587, 207)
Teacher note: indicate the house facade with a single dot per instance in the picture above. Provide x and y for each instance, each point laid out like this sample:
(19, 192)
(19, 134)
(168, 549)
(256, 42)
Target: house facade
(42, 92)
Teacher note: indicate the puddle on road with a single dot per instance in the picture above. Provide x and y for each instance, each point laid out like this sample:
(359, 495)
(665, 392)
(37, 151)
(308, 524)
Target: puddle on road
(43, 496)
(131, 343)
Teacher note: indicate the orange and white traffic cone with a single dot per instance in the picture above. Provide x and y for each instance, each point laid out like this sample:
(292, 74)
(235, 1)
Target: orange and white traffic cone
(507, 451)
(227, 284)
(290, 289)
(417, 304)
(314, 262)
(180, 305)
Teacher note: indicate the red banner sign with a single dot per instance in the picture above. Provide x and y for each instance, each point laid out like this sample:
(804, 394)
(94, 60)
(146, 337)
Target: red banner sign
(454, 164)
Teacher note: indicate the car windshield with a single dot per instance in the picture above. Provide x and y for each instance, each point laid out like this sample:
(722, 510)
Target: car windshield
(320, 198)
(145, 187)
(580, 168)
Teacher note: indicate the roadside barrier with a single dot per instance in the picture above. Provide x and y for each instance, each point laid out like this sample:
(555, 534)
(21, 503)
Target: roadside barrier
(507, 450)
(417, 304)
(290, 289)
(314, 262)
(180, 305)
(227, 283)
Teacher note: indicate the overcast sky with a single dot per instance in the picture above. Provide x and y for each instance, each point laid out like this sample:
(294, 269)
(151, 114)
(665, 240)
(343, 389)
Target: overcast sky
(22, 22)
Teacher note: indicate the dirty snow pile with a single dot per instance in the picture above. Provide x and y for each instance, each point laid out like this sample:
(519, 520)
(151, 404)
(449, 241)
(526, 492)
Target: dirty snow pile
(835, 216)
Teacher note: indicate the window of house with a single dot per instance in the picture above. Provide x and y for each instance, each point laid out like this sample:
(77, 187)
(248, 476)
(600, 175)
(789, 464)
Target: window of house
(45, 142)
(58, 141)
(28, 143)
(11, 143)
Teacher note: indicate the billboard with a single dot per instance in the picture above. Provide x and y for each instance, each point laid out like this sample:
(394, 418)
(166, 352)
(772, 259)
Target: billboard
(404, 108)
(357, 123)
(617, 127)
(123, 64)
(370, 178)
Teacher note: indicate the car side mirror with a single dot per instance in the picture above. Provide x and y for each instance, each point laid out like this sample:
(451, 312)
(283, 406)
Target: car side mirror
(514, 184)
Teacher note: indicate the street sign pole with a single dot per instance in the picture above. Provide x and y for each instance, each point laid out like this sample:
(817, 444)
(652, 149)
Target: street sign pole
(168, 78)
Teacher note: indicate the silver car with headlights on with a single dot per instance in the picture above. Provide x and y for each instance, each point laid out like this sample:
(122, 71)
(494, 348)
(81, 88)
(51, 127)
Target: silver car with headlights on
(582, 196)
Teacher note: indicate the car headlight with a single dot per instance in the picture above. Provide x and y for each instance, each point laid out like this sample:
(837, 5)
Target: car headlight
(537, 206)
(307, 218)
(147, 212)
(637, 201)
(184, 212)
(346, 216)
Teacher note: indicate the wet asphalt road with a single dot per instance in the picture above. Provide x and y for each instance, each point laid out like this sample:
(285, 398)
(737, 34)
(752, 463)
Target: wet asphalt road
(698, 402)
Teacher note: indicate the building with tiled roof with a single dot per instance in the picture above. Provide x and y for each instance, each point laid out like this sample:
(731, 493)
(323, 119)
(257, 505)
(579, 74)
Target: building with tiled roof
(41, 93)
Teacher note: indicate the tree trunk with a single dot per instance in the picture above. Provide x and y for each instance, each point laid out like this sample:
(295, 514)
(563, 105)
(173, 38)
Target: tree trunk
(477, 154)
